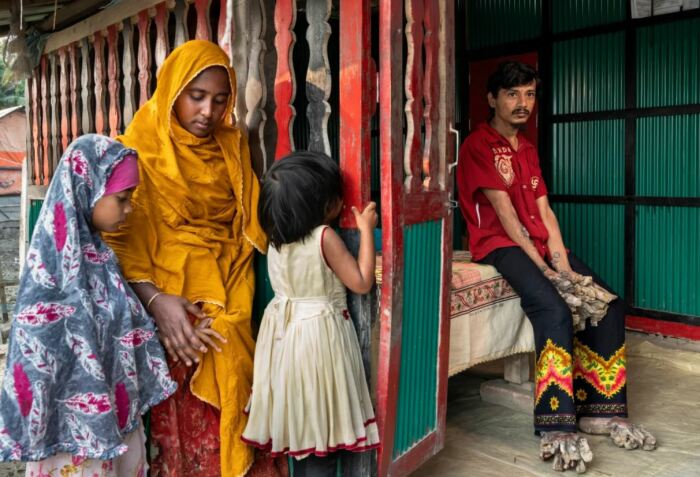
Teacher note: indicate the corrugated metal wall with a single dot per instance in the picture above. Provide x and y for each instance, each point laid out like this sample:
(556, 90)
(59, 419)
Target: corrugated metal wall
(610, 168)
(668, 64)
(576, 14)
(493, 22)
(416, 411)
(588, 74)
(588, 158)
(668, 156)
(668, 261)
(596, 234)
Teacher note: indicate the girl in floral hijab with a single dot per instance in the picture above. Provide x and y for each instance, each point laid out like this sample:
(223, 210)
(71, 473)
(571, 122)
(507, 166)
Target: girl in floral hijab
(84, 362)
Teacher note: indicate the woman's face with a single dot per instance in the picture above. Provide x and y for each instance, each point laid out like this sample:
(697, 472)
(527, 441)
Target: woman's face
(202, 103)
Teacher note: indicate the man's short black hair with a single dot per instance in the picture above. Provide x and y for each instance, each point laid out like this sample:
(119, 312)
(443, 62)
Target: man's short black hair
(508, 75)
(296, 195)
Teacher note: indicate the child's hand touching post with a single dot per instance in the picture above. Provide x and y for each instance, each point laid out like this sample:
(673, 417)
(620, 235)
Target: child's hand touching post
(356, 274)
(367, 220)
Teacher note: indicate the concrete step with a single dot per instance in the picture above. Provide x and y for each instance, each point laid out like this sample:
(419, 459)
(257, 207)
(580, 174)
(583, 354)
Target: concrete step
(518, 397)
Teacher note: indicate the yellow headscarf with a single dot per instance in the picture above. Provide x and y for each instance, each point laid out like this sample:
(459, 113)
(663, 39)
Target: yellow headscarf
(193, 230)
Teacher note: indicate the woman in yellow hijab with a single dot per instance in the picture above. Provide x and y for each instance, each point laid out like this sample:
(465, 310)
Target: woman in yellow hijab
(187, 250)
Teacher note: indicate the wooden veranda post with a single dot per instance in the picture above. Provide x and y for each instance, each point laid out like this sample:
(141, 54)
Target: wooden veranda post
(416, 230)
(356, 106)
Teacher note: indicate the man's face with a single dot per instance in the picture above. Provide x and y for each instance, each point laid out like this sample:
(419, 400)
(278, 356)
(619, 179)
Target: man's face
(514, 105)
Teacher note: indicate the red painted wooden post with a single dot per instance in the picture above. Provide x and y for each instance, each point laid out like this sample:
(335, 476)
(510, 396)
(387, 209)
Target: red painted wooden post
(285, 86)
(161, 33)
(144, 57)
(113, 81)
(46, 157)
(355, 82)
(98, 43)
(65, 111)
(391, 160)
(431, 94)
(36, 127)
(225, 28)
(74, 105)
(414, 94)
(203, 29)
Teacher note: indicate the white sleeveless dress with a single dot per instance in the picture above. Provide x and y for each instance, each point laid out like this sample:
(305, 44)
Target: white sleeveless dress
(309, 394)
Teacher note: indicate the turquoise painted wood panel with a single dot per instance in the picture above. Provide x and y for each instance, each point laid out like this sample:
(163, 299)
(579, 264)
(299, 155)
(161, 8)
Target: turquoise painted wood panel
(416, 412)
(588, 158)
(34, 211)
(668, 156)
(588, 74)
(667, 259)
(596, 234)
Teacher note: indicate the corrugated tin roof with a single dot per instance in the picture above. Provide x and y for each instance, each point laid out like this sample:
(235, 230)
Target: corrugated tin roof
(41, 13)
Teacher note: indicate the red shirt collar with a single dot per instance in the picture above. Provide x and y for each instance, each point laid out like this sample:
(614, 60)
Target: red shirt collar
(494, 135)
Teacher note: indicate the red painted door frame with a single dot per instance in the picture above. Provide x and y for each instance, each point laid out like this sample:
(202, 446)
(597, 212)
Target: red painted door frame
(402, 207)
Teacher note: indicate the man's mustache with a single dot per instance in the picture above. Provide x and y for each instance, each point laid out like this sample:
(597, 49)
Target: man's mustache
(520, 111)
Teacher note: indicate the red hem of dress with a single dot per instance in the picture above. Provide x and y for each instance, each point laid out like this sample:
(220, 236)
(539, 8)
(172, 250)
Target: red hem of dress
(355, 447)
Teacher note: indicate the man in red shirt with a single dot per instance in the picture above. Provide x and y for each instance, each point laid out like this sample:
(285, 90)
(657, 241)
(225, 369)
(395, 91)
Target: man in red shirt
(580, 378)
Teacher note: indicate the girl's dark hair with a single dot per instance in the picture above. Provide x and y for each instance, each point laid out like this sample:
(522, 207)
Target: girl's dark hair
(296, 195)
(510, 74)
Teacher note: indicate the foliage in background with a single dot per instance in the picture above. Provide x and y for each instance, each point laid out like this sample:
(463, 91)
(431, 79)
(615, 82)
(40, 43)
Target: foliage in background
(11, 88)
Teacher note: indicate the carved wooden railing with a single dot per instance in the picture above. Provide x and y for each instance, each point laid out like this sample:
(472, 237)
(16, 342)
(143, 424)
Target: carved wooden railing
(94, 75)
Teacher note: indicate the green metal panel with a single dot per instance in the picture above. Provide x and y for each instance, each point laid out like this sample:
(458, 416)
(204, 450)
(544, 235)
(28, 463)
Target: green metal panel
(588, 74)
(588, 158)
(416, 413)
(667, 260)
(668, 64)
(494, 22)
(596, 234)
(34, 210)
(574, 14)
(668, 156)
(263, 289)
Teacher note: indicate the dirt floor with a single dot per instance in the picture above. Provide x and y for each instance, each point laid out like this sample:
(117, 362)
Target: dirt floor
(485, 440)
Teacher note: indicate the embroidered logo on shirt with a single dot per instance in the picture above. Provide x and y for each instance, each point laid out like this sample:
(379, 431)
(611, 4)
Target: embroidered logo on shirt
(503, 165)
(534, 182)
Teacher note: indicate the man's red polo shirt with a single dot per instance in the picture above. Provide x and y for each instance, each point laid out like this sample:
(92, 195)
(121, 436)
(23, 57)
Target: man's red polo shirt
(487, 161)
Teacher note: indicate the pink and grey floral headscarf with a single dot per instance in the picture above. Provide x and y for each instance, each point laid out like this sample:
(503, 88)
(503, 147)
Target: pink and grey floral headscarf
(84, 361)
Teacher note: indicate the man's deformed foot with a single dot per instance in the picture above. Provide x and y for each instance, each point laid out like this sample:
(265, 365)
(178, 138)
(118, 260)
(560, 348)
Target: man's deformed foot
(569, 450)
(594, 425)
(630, 436)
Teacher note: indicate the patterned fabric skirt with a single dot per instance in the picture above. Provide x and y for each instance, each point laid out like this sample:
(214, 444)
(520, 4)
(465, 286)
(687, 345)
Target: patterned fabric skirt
(130, 464)
(185, 432)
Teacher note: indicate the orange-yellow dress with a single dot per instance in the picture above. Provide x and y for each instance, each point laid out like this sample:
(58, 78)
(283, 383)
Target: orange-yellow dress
(193, 233)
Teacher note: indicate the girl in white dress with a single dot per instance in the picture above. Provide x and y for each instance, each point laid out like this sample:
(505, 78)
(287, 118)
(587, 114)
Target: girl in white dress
(310, 397)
